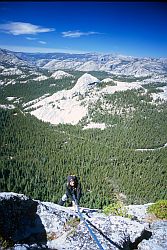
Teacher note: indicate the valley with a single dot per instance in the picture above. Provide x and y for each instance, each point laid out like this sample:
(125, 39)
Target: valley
(97, 124)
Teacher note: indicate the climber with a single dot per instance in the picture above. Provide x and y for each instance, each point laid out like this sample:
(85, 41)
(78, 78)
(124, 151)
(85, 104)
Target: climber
(73, 192)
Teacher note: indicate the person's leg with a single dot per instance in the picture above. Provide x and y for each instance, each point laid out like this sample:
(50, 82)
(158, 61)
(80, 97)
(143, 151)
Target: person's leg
(62, 200)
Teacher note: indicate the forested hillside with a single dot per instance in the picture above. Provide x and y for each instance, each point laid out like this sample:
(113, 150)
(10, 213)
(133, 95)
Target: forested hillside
(36, 157)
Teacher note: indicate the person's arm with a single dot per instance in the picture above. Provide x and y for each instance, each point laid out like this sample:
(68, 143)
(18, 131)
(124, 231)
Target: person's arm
(68, 193)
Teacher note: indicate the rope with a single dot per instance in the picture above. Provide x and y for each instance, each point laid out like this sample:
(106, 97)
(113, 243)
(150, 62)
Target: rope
(86, 224)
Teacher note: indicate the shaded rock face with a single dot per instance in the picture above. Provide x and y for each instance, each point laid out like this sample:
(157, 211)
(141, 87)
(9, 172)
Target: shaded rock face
(19, 221)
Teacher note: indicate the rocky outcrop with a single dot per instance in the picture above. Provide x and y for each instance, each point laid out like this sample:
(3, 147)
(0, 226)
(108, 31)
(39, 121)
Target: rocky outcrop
(85, 83)
(158, 240)
(31, 224)
(59, 74)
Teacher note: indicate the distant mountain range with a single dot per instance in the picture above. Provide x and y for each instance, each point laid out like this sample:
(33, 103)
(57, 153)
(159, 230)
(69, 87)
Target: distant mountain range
(115, 64)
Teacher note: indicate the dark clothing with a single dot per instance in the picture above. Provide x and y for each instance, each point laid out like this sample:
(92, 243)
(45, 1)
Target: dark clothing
(74, 193)
(71, 192)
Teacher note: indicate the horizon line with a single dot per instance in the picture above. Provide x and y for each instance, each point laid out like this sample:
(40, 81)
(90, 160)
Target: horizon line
(26, 49)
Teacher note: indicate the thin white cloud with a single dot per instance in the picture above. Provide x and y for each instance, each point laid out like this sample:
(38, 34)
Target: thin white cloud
(34, 39)
(78, 33)
(42, 42)
(20, 28)
(31, 38)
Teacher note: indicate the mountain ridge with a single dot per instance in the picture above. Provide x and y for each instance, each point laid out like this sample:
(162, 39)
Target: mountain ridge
(115, 64)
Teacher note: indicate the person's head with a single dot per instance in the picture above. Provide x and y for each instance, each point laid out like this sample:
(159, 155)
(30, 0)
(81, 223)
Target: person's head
(72, 180)
(72, 183)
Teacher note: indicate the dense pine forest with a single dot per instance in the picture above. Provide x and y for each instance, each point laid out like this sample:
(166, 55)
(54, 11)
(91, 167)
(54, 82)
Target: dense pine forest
(36, 157)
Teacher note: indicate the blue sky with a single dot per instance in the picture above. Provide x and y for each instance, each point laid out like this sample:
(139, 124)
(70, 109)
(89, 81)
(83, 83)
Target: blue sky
(127, 28)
